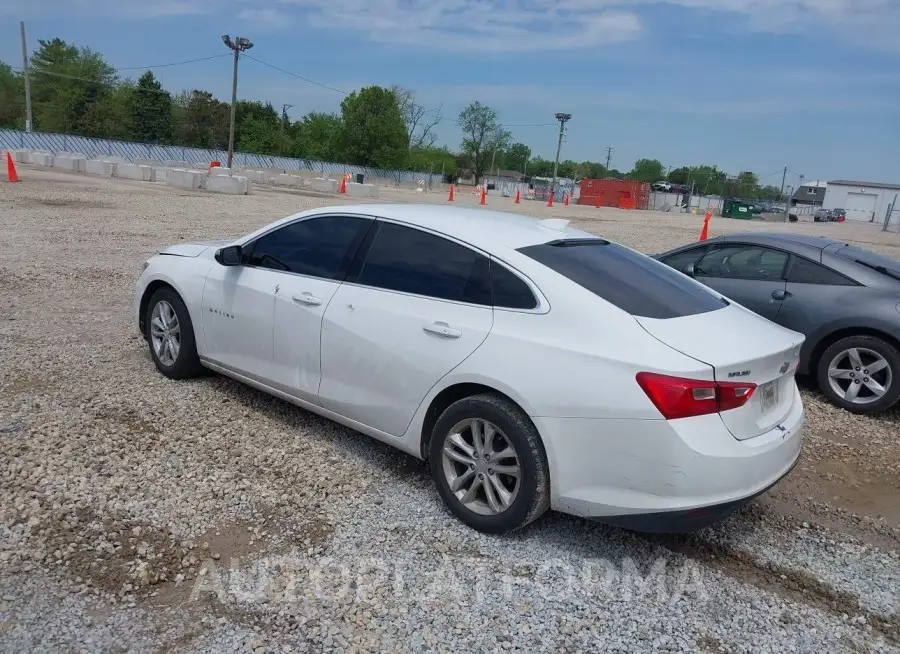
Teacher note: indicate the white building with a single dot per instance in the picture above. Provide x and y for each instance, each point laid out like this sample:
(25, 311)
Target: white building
(863, 201)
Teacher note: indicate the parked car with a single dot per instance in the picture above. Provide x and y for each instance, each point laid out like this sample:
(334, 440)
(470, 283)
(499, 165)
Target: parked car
(470, 339)
(662, 186)
(838, 215)
(844, 298)
(823, 216)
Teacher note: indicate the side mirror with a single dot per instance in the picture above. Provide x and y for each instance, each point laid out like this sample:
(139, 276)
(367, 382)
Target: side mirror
(230, 256)
(690, 270)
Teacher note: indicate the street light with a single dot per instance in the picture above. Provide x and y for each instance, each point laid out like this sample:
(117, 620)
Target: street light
(563, 119)
(240, 44)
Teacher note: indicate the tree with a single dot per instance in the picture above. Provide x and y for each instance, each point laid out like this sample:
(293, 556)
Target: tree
(590, 170)
(420, 125)
(517, 156)
(202, 121)
(647, 170)
(482, 135)
(316, 136)
(432, 159)
(151, 111)
(12, 98)
(67, 85)
(372, 131)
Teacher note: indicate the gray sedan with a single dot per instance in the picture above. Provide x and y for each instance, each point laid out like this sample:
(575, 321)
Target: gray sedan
(844, 298)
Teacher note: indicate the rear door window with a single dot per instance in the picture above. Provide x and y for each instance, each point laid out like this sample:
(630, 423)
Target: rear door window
(680, 260)
(804, 271)
(637, 284)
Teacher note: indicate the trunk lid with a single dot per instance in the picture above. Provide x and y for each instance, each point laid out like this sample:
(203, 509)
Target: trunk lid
(741, 347)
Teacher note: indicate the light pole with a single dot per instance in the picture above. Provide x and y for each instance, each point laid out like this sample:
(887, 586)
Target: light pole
(563, 119)
(240, 44)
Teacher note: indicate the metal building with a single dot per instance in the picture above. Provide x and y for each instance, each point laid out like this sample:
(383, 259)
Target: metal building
(863, 201)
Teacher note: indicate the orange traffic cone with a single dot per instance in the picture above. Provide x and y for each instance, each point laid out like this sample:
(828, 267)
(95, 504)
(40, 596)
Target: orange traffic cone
(704, 233)
(518, 197)
(550, 201)
(343, 184)
(484, 195)
(11, 175)
(597, 200)
(566, 200)
(450, 199)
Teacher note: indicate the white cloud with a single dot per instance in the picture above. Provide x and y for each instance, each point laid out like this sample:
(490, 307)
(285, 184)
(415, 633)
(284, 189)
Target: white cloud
(265, 17)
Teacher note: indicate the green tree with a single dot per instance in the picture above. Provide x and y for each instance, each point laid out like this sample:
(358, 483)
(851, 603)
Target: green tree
(432, 159)
(67, 86)
(201, 120)
(647, 170)
(12, 98)
(151, 111)
(316, 136)
(482, 135)
(372, 131)
(516, 157)
(540, 167)
(420, 123)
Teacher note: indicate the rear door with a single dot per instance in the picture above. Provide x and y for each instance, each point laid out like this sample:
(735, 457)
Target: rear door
(752, 275)
(413, 307)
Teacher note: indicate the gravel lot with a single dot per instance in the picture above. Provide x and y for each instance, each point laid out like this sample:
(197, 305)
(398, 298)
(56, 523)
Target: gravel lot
(142, 514)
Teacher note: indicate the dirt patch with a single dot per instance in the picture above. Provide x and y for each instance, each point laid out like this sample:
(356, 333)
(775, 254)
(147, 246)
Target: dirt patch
(68, 204)
(793, 585)
(709, 643)
(130, 419)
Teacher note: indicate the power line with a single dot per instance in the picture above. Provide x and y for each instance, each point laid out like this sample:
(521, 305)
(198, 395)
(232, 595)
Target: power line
(300, 77)
(175, 63)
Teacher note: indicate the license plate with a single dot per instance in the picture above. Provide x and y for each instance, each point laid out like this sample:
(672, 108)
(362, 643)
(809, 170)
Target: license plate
(769, 394)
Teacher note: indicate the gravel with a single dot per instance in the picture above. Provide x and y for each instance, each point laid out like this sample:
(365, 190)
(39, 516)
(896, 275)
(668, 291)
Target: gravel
(203, 516)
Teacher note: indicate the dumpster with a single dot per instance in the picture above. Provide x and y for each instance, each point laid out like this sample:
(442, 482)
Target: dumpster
(737, 209)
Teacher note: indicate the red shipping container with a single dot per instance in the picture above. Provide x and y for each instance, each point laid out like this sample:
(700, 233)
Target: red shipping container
(624, 193)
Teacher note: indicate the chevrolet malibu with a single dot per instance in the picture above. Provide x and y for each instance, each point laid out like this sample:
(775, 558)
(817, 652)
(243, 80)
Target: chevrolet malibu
(531, 364)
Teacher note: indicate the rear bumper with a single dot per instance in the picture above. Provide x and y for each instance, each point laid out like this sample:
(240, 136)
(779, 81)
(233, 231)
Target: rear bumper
(644, 472)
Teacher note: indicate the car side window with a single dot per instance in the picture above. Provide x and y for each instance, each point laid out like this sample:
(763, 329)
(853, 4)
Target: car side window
(742, 262)
(413, 261)
(509, 291)
(318, 247)
(804, 271)
(680, 260)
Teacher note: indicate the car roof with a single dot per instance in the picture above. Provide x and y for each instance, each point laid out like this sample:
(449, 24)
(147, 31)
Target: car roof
(484, 229)
(785, 240)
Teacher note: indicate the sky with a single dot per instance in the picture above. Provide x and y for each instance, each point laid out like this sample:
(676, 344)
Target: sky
(755, 85)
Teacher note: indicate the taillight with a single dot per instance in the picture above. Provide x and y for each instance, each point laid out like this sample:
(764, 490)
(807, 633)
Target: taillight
(678, 397)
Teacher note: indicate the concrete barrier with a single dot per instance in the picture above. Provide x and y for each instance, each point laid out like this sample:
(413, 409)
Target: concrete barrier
(325, 185)
(20, 156)
(68, 163)
(220, 170)
(181, 165)
(147, 162)
(102, 168)
(40, 159)
(231, 184)
(362, 190)
(80, 158)
(257, 176)
(159, 174)
(287, 180)
(140, 173)
(185, 178)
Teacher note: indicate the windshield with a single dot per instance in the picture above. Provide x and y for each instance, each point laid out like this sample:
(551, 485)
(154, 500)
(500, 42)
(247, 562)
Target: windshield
(879, 262)
(637, 284)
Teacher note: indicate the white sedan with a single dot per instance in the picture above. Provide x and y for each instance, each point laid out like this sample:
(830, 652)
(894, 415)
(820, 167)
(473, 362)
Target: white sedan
(533, 365)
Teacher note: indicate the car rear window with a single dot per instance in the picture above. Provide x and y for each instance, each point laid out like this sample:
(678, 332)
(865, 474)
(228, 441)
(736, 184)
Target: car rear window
(870, 259)
(637, 284)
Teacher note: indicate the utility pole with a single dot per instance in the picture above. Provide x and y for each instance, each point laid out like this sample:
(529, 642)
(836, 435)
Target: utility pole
(284, 117)
(781, 195)
(563, 119)
(27, 81)
(240, 44)
(609, 151)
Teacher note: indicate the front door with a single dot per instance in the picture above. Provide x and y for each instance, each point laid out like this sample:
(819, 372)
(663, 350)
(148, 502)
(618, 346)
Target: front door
(751, 275)
(309, 258)
(416, 308)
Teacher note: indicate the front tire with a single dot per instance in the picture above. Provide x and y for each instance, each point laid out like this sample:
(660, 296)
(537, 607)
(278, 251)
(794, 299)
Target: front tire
(170, 335)
(860, 374)
(489, 464)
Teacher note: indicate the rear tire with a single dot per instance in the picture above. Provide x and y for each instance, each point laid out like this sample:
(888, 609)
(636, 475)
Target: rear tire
(170, 335)
(509, 491)
(844, 374)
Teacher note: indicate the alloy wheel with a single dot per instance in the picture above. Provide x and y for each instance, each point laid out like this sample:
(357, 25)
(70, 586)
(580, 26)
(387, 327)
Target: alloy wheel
(165, 333)
(860, 375)
(481, 466)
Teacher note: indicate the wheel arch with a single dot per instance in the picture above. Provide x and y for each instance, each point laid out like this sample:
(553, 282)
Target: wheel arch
(834, 336)
(453, 393)
(151, 288)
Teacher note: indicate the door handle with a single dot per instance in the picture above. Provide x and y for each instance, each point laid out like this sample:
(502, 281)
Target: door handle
(442, 329)
(307, 299)
(780, 294)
